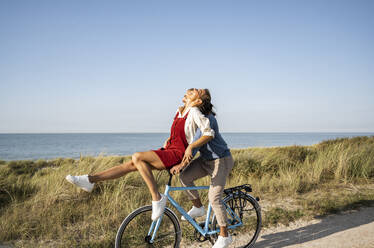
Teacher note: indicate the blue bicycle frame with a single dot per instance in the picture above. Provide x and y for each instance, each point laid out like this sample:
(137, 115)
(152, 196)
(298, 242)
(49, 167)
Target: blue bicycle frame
(204, 231)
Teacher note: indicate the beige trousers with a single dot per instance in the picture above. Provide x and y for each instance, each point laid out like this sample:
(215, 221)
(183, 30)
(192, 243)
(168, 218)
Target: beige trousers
(219, 170)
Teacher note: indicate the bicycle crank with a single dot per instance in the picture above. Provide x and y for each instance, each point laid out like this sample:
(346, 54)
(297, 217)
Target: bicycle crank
(198, 236)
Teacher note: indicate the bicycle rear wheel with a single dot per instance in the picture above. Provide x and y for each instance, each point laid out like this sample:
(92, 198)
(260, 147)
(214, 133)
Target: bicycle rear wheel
(249, 211)
(133, 232)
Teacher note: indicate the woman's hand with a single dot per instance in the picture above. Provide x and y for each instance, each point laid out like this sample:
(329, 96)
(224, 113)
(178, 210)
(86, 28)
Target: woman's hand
(177, 168)
(187, 155)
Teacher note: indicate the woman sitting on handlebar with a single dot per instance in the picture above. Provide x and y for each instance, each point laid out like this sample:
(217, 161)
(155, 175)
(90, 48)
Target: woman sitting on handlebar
(216, 161)
(186, 121)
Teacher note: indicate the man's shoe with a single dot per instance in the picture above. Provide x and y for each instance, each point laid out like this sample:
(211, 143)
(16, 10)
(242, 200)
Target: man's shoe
(195, 212)
(223, 242)
(80, 181)
(158, 207)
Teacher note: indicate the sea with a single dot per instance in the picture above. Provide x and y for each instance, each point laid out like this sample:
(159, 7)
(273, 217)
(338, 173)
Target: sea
(74, 145)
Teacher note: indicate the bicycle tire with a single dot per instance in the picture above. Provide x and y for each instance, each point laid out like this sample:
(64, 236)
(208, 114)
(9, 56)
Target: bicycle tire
(243, 203)
(134, 229)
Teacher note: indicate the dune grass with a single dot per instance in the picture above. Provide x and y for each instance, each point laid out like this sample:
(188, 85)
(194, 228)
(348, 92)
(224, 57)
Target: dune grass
(38, 208)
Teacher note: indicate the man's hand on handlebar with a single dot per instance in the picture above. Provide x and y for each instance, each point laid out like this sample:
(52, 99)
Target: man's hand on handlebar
(176, 169)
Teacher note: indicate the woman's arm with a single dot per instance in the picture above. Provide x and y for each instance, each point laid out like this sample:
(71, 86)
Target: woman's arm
(207, 132)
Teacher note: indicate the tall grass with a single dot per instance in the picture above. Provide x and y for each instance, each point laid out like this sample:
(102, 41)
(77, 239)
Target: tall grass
(299, 169)
(39, 208)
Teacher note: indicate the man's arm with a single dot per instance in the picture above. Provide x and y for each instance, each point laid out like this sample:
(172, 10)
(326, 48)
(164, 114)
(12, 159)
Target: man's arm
(188, 154)
(193, 148)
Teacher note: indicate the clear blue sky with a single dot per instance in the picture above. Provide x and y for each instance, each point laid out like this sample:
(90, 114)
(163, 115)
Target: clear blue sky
(123, 66)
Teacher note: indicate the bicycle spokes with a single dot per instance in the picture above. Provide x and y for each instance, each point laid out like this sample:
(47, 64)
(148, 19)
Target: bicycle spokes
(138, 230)
(244, 219)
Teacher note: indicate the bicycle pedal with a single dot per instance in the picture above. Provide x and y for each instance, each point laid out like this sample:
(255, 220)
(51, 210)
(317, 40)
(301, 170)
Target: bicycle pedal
(198, 236)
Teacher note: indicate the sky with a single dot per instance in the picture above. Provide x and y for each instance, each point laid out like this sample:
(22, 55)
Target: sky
(124, 66)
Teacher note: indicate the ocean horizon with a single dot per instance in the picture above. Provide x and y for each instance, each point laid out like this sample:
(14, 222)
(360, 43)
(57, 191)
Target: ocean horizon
(33, 146)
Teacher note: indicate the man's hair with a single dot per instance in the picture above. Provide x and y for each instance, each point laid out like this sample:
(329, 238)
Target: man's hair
(206, 107)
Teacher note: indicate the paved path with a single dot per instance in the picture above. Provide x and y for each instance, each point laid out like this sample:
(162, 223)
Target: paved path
(353, 229)
(350, 230)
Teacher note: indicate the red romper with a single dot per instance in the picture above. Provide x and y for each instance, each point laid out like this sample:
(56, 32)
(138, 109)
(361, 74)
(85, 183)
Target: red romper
(173, 153)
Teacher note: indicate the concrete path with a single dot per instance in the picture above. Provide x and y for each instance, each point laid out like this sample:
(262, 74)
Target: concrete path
(347, 230)
(352, 229)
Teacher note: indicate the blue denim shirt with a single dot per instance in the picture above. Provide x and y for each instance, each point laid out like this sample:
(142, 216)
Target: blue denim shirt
(217, 147)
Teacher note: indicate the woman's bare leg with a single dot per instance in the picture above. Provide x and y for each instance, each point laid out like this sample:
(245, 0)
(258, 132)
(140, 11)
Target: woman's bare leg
(145, 162)
(112, 173)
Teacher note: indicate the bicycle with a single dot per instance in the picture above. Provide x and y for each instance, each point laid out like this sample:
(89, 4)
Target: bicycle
(243, 212)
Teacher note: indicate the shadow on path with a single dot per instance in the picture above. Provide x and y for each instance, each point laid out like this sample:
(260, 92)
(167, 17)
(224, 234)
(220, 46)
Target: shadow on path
(328, 225)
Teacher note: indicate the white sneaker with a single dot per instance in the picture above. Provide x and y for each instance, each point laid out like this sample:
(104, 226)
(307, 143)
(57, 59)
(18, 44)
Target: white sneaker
(158, 207)
(195, 212)
(81, 181)
(223, 242)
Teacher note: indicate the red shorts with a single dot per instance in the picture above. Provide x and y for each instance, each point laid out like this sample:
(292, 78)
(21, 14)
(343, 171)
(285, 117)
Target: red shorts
(169, 157)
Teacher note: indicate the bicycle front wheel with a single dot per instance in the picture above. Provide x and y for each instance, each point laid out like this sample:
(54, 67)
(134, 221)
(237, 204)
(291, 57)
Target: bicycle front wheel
(133, 232)
(249, 212)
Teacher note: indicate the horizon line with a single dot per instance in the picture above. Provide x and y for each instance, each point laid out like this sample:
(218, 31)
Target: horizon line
(168, 132)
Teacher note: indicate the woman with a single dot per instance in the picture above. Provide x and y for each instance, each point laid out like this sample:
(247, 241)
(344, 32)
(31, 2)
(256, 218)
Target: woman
(185, 124)
(215, 160)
